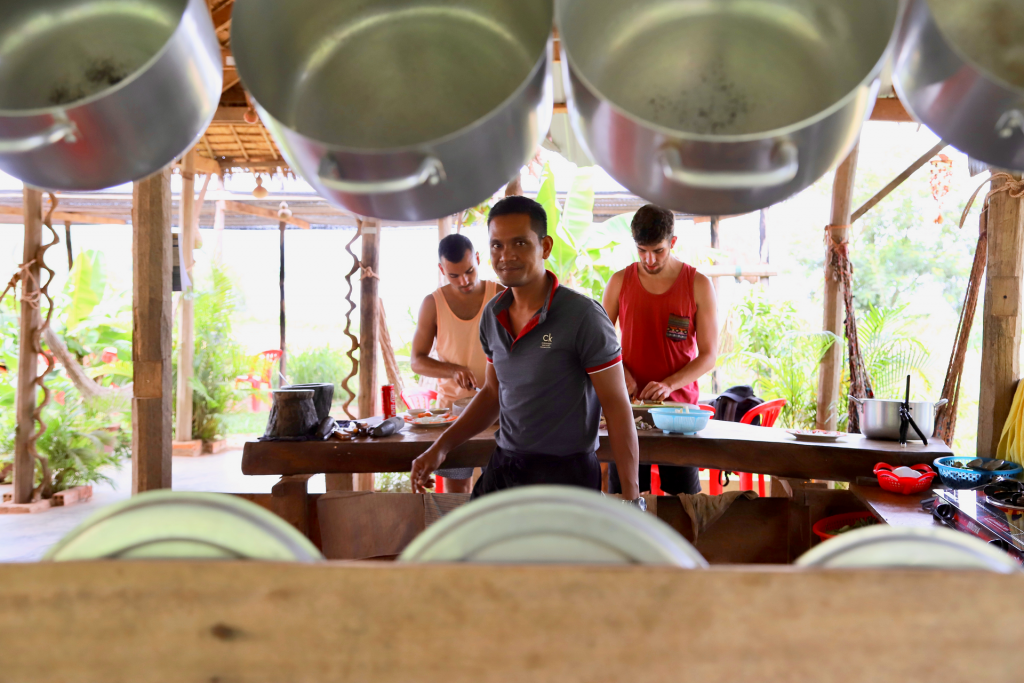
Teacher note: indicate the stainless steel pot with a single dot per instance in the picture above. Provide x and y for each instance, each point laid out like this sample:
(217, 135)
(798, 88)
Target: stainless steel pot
(400, 109)
(95, 94)
(880, 418)
(721, 107)
(960, 71)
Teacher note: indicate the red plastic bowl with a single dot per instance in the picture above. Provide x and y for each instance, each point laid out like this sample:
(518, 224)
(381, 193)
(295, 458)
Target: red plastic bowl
(905, 485)
(824, 528)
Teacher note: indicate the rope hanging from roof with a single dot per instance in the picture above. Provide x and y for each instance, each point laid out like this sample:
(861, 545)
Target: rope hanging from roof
(357, 266)
(945, 420)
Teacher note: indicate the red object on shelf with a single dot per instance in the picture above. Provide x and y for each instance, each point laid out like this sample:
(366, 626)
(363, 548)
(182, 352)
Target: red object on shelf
(824, 527)
(438, 484)
(388, 401)
(905, 485)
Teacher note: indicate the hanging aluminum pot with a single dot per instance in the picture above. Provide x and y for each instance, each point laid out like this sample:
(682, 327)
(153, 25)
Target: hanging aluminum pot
(405, 110)
(95, 94)
(717, 108)
(960, 71)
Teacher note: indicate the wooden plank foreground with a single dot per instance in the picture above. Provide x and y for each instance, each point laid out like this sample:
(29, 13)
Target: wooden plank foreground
(225, 622)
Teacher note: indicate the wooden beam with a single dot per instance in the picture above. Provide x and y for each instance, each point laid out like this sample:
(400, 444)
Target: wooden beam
(151, 333)
(897, 181)
(274, 621)
(25, 397)
(186, 333)
(222, 17)
(831, 368)
(239, 207)
(68, 216)
(203, 165)
(369, 333)
(892, 110)
(231, 116)
(1000, 350)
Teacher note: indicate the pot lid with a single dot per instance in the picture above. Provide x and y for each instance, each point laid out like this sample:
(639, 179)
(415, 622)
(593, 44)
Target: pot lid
(881, 546)
(184, 525)
(552, 524)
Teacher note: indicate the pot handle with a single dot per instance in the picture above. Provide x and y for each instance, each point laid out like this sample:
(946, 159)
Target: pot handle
(62, 129)
(430, 172)
(858, 401)
(941, 402)
(674, 169)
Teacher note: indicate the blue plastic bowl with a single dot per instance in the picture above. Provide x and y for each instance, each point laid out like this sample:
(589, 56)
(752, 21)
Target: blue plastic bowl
(680, 420)
(956, 478)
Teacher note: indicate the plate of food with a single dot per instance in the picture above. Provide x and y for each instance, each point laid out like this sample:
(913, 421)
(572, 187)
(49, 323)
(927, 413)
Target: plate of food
(429, 419)
(815, 435)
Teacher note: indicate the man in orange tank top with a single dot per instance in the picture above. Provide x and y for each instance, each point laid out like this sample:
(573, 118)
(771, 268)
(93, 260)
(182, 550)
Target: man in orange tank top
(668, 320)
(449, 323)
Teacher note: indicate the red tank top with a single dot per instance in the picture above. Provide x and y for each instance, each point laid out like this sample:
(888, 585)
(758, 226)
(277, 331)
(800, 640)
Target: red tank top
(659, 331)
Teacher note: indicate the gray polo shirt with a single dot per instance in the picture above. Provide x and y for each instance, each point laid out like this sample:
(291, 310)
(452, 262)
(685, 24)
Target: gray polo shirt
(548, 403)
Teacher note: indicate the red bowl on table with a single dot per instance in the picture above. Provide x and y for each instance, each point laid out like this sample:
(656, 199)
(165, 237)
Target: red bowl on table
(905, 485)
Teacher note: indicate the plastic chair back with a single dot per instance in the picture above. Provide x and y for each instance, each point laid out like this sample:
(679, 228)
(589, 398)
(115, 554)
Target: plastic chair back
(419, 400)
(767, 411)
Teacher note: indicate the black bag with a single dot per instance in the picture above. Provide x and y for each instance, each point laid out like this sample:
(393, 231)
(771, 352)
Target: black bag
(735, 402)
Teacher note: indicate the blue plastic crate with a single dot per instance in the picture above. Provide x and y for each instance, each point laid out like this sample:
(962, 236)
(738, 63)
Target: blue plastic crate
(956, 478)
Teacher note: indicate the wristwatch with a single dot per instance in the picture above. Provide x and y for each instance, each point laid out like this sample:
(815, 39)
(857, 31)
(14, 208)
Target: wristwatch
(638, 503)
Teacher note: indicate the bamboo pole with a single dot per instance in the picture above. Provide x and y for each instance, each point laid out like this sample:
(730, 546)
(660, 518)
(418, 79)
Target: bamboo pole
(830, 370)
(369, 331)
(25, 398)
(186, 329)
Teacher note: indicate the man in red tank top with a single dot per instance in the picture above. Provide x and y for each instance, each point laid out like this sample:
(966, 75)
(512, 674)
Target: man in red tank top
(668, 319)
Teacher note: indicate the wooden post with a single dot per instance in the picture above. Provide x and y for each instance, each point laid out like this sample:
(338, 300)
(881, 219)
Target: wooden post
(715, 244)
(24, 462)
(369, 315)
(186, 336)
(218, 222)
(151, 333)
(282, 226)
(1000, 353)
(67, 243)
(444, 228)
(830, 371)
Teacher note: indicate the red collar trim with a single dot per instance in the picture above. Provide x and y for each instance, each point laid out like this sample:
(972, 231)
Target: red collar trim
(506, 321)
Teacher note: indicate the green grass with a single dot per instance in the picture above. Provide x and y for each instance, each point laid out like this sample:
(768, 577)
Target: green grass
(244, 423)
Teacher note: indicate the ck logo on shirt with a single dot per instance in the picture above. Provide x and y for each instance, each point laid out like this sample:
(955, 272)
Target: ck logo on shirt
(546, 341)
(678, 328)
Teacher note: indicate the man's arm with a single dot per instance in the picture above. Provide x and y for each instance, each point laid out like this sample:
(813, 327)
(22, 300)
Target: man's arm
(707, 344)
(480, 414)
(611, 392)
(423, 342)
(610, 301)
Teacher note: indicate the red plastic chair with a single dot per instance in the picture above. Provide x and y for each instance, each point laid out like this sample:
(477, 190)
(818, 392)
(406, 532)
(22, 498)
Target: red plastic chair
(418, 399)
(259, 374)
(768, 412)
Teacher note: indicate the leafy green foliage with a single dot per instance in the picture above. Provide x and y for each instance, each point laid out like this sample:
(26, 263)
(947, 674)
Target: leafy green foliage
(773, 354)
(320, 365)
(891, 352)
(86, 285)
(218, 358)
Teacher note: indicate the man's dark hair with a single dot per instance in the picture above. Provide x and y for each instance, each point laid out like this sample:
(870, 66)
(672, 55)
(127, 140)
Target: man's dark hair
(453, 248)
(652, 225)
(516, 204)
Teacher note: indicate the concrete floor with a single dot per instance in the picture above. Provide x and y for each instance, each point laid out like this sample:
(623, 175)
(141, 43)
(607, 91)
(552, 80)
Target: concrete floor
(25, 538)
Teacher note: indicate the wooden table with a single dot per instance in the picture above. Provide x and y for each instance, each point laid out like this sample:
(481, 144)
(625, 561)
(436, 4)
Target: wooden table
(721, 445)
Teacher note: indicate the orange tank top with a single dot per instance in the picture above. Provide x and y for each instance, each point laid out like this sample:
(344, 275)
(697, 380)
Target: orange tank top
(458, 342)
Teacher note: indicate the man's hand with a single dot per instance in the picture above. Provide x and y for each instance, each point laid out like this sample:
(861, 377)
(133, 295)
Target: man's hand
(464, 377)
(656, 391)
(423, 467)
(630, 382)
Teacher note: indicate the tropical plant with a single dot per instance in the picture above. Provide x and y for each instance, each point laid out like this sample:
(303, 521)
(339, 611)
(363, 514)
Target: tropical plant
(585, 254)
(891, 352)
(773, 354)
(218, 358)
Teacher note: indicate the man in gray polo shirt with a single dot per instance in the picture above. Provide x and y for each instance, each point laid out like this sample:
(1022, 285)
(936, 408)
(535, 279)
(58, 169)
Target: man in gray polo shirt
(554, 362)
